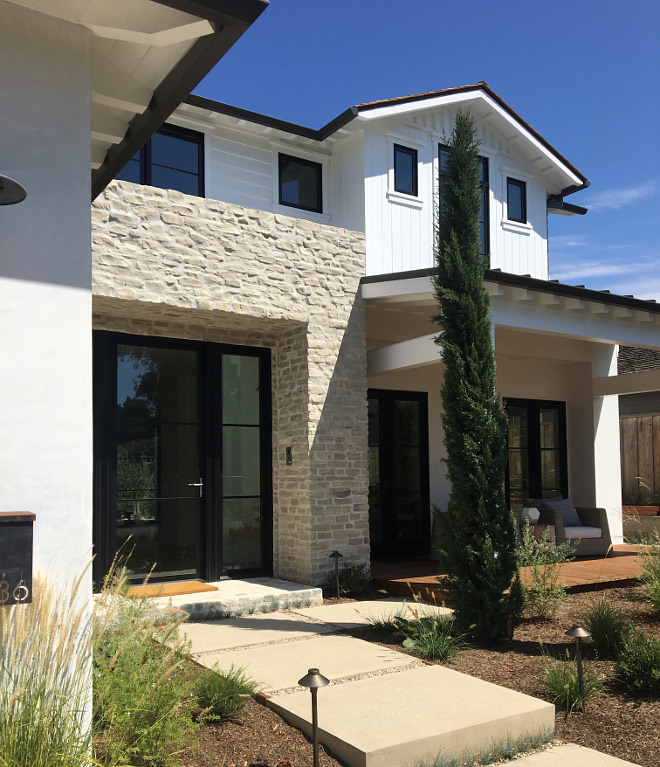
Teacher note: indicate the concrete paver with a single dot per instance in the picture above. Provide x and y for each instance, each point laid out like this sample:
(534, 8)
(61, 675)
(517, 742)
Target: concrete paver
(249, 630)
(377, 721)
(280, 666)
(356, 614)
(570, 755)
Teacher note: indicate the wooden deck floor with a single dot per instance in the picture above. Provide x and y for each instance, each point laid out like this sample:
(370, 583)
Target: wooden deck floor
(621, 568)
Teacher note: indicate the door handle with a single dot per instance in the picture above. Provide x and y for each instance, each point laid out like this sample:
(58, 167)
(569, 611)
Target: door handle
(199, 484)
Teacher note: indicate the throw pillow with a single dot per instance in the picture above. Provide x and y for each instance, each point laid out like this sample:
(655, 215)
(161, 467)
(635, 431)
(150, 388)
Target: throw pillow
(569, 515)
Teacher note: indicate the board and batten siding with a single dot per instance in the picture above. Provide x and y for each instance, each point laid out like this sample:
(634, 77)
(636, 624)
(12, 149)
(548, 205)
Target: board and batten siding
(241, 168)
(400, 229)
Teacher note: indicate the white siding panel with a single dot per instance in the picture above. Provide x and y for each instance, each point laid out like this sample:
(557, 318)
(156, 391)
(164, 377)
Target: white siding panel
(345, 204)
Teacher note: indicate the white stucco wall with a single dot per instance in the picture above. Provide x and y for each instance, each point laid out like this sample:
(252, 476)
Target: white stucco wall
(45, 286)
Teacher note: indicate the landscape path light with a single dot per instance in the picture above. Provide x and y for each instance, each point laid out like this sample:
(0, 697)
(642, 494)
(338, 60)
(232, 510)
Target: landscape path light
(314, 679)
(579, 633)
(335, 555)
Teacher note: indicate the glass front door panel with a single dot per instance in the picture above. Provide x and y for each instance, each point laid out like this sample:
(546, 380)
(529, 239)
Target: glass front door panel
(242, 524)
(398, 473)
(157, 458)
(518, 456)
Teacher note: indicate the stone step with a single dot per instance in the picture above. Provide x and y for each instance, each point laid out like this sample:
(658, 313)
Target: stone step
(246, 596)
(413, 715)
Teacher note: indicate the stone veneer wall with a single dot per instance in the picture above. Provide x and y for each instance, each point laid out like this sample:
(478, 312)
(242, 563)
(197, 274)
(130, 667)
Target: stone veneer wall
(171, 265)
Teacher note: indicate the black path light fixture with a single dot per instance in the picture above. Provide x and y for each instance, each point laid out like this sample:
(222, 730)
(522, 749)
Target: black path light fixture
(314, 679)
(335, 555)
(11, 192)
(578, 632)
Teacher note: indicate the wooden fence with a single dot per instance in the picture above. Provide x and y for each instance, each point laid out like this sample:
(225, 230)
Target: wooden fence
(640, 457)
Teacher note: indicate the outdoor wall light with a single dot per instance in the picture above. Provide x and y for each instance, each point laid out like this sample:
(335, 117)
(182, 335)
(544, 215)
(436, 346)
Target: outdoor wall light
(335, 555)
(579, 632)
(314, 679)
(11, 191)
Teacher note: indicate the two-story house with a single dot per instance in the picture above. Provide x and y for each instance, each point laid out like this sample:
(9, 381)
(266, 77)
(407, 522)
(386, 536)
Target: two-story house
(267, 382)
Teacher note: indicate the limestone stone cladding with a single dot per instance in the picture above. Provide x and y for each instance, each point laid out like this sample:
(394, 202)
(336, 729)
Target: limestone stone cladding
(166, 264)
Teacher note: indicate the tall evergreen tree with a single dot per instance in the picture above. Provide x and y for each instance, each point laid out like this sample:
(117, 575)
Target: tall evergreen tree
(477, 531)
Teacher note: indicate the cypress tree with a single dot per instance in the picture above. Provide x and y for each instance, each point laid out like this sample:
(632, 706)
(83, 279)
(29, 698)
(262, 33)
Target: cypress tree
(478, 542)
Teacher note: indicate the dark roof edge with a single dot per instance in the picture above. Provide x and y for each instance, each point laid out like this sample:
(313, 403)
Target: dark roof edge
(482, 86)
(532, 283)
(178, 83)
(560, 204)
(273, 122)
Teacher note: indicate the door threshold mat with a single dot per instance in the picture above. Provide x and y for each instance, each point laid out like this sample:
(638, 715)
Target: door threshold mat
(154, 590)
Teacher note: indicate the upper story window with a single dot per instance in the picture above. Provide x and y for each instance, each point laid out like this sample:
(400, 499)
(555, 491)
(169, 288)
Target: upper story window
(300, 183)
(443, 157)
(173, 158)
(516, 200)
(405, 170)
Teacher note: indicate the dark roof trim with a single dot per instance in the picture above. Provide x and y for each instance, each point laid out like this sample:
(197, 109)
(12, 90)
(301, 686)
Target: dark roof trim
(577, 210)
(482, 86)
(232, 18)
(531, 283)
(272, 122)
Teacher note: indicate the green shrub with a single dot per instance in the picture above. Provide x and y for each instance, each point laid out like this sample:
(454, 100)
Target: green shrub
(44, 679)
(608, 626)
(561, 681)
(638, 663)
(542, 592)
(139, 682)
(434, 637)
(650, 576)
(353, 579)
(222, 693)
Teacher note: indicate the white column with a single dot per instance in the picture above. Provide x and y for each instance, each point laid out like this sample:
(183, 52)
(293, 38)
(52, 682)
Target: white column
(607, 449)
(45, 287)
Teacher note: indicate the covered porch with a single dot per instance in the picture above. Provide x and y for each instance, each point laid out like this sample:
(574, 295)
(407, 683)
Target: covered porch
(556, 352)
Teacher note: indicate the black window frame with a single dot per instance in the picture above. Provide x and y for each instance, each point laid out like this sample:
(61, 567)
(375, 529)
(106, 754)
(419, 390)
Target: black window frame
(484, 185)
(281, 157)
(533, 408)
(522, 185)
(144, 156)
(412, 152)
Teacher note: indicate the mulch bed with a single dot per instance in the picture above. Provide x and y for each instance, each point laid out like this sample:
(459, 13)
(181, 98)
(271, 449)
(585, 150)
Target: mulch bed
(616, 723)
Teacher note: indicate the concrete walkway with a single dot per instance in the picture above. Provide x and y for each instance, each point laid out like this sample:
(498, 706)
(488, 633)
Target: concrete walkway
(369, 715)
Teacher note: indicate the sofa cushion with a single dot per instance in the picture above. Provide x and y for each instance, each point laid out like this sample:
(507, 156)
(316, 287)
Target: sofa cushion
(583, 532)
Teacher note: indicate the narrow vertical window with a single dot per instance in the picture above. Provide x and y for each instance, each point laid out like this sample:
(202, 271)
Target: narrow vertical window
(516, 199)
(443, 159)
(405, 170)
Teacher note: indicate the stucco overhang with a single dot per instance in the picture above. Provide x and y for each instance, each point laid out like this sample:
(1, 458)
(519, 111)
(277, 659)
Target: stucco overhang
(146, 56)
(519, 303)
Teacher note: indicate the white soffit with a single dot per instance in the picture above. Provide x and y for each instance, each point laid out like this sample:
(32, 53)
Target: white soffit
(135, 45)
(535, 310)
(510, 128)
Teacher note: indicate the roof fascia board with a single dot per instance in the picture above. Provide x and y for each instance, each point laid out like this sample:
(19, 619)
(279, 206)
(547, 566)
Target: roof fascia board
(374, 113)
(273, 122)
(177, 84)
(225, 12)
(529, 283)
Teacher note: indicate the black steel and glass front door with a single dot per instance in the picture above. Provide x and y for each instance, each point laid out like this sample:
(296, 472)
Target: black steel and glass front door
(182, 454)
(399, 512)
(537, 450)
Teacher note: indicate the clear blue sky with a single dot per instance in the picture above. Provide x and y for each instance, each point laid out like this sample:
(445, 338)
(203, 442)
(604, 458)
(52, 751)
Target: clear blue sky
(585, 74)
